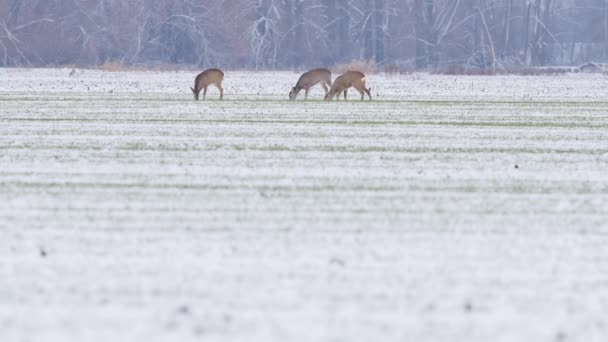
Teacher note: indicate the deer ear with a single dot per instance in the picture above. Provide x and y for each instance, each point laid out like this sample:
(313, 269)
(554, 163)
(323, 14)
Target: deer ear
(192, 90)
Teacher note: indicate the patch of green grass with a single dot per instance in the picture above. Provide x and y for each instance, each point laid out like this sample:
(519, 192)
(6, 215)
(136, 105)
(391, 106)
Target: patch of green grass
(590, 123)
(144, 147)
(185, 98)
(404, 186)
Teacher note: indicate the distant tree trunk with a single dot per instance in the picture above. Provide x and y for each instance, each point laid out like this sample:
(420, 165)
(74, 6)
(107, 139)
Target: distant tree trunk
(605, 29)
(507, 27)
(527, 34)
(477, 38)
(545, 48)
(333, 16)
(297, 50)
(421, 36)
(291, 45)
(340, 40)
(535, 47)
(386, 31)
(379, 11)
(488, 35)
(345, 46)
(373, 42)
(368, 45)
(432, 47)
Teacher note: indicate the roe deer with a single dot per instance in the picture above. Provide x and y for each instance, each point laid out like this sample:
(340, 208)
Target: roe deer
(207, 78)
(309, 79)
(354, 79)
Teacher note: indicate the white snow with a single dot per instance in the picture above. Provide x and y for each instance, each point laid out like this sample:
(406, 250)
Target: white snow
(448, 209)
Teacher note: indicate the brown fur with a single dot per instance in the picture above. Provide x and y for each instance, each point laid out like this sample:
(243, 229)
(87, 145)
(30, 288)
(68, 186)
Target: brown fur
(310, 79)
(349, 79)
(207, 78)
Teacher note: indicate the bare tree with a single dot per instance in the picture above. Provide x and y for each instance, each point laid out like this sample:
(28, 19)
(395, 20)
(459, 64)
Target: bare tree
(264, 32)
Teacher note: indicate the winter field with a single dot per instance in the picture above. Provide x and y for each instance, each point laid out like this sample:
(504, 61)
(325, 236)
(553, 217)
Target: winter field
(451, 208)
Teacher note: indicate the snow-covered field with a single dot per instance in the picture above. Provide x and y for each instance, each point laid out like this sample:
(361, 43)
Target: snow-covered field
(448, 209)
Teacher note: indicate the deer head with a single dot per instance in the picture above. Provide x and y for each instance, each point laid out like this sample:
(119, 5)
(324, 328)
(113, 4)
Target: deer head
(195, 92)
(293, 93)
(330, 94)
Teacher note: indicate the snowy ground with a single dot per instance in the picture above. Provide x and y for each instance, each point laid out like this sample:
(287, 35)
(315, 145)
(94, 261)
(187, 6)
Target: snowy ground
(449, 209)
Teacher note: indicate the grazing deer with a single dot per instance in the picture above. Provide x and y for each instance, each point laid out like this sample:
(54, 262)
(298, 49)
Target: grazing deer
(207, 78)
(308, 80)
(354, 79)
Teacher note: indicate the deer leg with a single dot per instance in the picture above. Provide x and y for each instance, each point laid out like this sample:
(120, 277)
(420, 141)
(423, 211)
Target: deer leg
(345, 92)
(361, 92)
(368, 91)
(204, 93)
(219, 86)
(325, 88)
(306, 94)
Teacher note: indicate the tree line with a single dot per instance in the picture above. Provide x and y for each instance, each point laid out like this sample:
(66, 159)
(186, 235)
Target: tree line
(287, 34)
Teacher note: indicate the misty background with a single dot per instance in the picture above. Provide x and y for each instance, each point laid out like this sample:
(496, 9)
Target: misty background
(288, 34)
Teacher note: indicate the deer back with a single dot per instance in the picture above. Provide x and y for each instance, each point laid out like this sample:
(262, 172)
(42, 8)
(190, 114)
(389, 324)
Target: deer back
(312, 77)
(207, 77)
(347, 80)
(354, 77)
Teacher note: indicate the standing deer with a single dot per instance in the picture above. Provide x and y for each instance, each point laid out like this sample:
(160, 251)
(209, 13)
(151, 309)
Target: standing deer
(354, 79)
(207, 78)
(308, 80)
